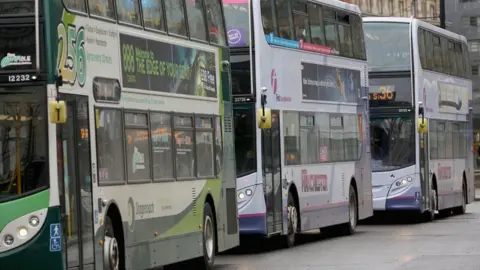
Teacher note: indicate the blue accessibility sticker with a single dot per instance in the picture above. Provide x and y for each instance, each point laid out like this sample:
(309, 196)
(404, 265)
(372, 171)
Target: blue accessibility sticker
(55, 230)
(55, 244)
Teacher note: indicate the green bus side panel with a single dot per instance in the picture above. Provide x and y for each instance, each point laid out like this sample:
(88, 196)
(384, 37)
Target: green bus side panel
(53, 16)
(36, 253)
(12, 210)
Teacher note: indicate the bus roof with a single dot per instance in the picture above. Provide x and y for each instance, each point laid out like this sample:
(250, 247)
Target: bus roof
(339, 4)
(417, 23)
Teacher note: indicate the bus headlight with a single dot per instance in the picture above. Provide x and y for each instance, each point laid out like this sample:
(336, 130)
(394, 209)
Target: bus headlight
(400, 185)
(22, 232)
(241, 195)
(8, 239)
(248, 192)
(34, 221)
(22, 229)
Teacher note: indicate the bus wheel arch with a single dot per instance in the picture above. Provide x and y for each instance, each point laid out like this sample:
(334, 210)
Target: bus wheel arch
(114, 218)
(465, 187)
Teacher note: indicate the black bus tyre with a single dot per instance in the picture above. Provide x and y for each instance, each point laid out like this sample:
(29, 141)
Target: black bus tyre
(429, 215)
(460, 210)
(350, 227)
(209, 239)
(292, 220)
(111, 249)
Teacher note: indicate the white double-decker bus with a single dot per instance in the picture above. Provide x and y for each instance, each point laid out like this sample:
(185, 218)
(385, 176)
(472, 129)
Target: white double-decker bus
(420, 117)
(307, 166)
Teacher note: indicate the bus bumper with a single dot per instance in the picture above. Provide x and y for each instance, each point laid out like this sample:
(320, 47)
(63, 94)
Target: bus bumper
(36, 254)
(251, 213)
(408, 200)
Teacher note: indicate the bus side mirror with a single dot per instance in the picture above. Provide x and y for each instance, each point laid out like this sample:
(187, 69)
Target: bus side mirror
(422, 125)
(58, 112)
(264, 118)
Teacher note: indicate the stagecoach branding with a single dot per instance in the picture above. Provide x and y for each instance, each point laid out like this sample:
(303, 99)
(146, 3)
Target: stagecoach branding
(12, 59)
(444, 173)
(314, 182)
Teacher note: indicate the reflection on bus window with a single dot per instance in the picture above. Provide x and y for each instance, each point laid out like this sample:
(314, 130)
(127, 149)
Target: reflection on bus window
(196, 21)
(72, 5)
(109, 145)
(162, 146)
(283, 19)
(388, 46)
(389, 136)
(153, 14)
(175, 17)
(215, 22)
(9, 8)
(23, 133)
(316, 24)
(128, 11)
(236, 18)
(102, 8)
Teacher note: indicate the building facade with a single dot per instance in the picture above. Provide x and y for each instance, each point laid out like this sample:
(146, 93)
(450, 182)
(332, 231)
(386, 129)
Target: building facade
(427, 10)
(463, 17)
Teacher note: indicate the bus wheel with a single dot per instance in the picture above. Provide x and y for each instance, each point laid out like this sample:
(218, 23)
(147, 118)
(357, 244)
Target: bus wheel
(292, 219)
(208, 236)
(460, 210)
(350, 227)
(111, 251)
(430, 214)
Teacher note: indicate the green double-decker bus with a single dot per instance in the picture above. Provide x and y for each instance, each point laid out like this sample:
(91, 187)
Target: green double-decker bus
(115, 132)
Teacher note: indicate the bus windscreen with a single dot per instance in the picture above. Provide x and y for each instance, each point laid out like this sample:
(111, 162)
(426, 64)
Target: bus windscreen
(388, 46)
(236, 17)
(389, 135)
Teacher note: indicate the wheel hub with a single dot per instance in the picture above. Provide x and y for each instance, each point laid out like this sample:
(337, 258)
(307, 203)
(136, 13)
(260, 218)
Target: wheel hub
(292, 219)
(111, 256)
(208, 236)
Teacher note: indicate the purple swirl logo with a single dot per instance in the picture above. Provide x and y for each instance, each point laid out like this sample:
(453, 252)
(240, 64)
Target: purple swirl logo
(235, 37)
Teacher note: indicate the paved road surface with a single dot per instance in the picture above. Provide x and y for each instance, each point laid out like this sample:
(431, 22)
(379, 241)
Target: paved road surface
(452, 243)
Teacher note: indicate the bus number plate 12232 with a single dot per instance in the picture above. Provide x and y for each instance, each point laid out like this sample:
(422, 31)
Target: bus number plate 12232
(19, 78)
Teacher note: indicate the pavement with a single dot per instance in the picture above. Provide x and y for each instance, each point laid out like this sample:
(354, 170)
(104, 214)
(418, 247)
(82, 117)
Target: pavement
(451, 243)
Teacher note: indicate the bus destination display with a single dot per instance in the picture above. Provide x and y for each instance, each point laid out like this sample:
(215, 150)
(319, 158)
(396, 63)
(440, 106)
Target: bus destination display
(159, 66)
(383, 92)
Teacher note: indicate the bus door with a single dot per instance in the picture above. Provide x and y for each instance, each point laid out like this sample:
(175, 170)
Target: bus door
(75, 185)
(425, 174)
(271, 162)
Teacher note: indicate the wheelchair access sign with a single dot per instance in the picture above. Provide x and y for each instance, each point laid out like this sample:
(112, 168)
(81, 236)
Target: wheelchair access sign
(55, 237)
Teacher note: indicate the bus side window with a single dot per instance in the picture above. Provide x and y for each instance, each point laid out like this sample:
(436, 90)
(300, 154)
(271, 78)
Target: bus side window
(267, 16)
(445, 60)
(284, 19)
(102, 8)
(429, 50)
(153, 14)
(345, 35)
(357, 36)
(460, 62)
(128, 11)
(466, 61)
(175, 13)
(316, 24)
(75, 5)
(300, 21)
(331, 34)
(421, 47)
(215, 22)
(196, 20)
(437, 53)
(451, 57)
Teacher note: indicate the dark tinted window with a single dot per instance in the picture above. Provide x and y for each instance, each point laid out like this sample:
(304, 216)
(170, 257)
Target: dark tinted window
(162, 142)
